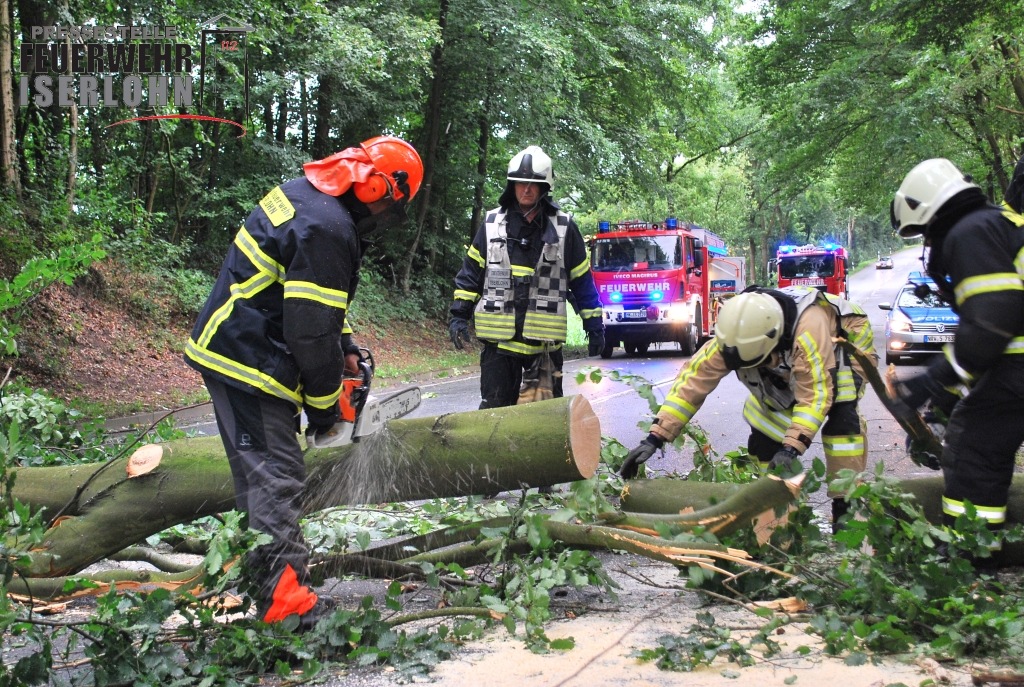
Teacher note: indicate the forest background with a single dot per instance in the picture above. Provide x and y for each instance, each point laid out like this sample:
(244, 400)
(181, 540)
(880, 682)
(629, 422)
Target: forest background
(767, 123)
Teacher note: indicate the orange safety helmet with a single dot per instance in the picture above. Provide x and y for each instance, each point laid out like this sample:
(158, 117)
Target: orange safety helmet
(380, 167)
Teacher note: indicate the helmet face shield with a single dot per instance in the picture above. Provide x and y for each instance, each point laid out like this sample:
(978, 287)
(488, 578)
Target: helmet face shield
(748, 329)
(922, 194)
(531, 165)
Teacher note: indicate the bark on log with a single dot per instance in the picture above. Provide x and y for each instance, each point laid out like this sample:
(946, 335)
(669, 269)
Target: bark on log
(667, 496)
(103, 510)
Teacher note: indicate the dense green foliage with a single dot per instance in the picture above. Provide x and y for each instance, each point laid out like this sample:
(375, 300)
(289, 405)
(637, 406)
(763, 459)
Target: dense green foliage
(792, 122)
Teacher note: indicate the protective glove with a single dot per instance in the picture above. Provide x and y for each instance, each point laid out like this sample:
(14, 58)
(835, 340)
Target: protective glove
(595, 343)
(458, 328)
(785, 462)
(640, 455)
(338, 434)
(916, 391)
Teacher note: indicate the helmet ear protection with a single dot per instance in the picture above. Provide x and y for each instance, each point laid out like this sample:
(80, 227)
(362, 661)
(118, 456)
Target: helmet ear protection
(373, 189)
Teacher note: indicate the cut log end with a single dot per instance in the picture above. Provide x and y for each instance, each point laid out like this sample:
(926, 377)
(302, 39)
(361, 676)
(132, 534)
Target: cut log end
(144, 460)
(584, 436)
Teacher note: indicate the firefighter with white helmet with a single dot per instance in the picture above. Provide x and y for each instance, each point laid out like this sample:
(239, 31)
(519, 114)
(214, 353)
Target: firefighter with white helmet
(527, 260)
(272, 341)
(781, 344)
(976, 257)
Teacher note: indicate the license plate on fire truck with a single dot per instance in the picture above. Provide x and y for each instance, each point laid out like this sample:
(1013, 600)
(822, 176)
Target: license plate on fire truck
(634, 314)
(939, 338)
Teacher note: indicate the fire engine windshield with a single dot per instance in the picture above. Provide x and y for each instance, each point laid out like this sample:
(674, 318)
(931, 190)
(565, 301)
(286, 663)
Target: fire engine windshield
(805, 266)
(637, 253)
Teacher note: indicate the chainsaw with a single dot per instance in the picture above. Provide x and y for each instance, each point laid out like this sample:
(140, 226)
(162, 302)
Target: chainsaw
(361, 414)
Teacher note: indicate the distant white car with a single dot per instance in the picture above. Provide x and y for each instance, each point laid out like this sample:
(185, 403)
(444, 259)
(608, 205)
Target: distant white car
(884, 263)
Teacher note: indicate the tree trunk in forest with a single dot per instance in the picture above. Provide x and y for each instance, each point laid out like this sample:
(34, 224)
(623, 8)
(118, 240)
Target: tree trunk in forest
(434, 110)
(8, 143)
(322, 118)
(483, 142)
(98, 509)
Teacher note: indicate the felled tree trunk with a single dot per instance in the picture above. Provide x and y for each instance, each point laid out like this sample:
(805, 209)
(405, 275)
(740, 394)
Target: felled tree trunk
(98, 510)
(675, 496)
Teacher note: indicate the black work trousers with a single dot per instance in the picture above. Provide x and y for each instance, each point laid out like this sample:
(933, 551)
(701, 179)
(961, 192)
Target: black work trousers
(259, 436)
(501, 375)
(984, 432)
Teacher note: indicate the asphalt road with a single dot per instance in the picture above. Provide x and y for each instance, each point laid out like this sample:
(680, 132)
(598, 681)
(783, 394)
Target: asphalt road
(620, 408)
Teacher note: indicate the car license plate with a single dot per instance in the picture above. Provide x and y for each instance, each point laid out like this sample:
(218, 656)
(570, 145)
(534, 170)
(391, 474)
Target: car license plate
(939, 338)
(634, 315)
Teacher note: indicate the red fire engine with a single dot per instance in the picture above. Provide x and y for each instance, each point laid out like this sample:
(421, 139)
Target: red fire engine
(823, 267)
(661, 282)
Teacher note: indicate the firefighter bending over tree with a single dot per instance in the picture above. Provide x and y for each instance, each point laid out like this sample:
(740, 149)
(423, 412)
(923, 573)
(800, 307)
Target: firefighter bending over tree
(780, 343)
(527, 259)
(272, 341)
(976, 258)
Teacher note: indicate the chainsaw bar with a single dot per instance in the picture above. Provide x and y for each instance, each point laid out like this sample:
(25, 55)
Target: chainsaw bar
(925, 448)
(377, 411)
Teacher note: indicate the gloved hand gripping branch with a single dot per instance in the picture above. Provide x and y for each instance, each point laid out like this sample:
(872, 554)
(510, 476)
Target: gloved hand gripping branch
(640, 455)
(786, 462)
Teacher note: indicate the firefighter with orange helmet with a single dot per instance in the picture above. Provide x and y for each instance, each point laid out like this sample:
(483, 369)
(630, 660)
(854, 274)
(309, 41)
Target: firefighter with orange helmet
(781, 343)
(976, 257)
(272, 341)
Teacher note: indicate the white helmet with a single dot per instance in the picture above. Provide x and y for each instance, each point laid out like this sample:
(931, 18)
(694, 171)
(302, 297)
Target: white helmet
(748, 329)
(923, 192)
(531, 164)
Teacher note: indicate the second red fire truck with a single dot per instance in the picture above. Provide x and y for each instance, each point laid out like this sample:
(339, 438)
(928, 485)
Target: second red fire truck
(661, 282)
(824, 267)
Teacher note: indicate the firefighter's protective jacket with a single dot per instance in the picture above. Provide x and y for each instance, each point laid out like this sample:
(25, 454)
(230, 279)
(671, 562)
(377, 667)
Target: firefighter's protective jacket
(982, 255)
(793, 391)
(508, 276)
(275, 320)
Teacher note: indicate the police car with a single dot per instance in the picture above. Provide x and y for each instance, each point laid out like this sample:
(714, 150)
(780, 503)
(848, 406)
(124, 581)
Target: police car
(919, 323)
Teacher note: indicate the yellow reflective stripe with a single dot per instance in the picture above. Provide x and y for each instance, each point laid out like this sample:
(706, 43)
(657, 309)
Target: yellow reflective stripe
(475, 256)
(843, 446)
(1018, 263)
(690, 369)
(243, 373)
(1014, 217)
(324, 402)
(463, 295)
(993, 515)
(332, 298)
(965, 376)
(678, 408)
(495, 326)
(864, 339)
(1016, 345)
(846, 390)
(521, 271)
(247, 289)
(987, 283)
(527, 349)
(580, 269)
(260, 260)
(813, 415)
(772, 424)
(590, 312)
(544, 322)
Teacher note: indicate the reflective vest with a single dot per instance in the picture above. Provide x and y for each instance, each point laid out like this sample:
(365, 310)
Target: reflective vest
(495, 312)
